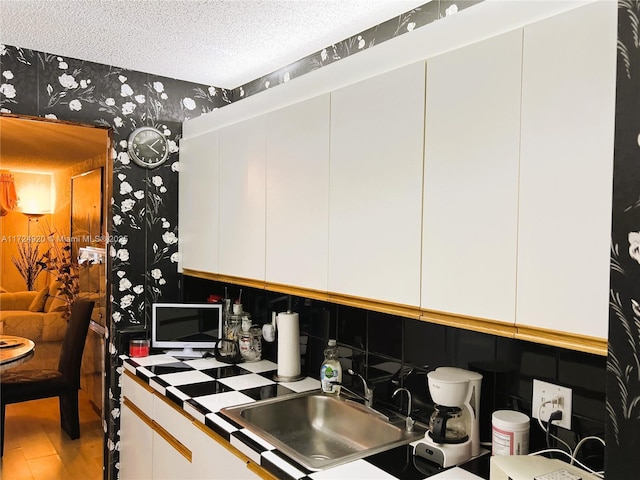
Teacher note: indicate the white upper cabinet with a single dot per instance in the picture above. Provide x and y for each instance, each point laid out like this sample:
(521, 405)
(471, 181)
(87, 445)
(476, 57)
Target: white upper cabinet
(198, 203)
(242, 199)
(298, 194)
(568, 101)
(472, 146)
(375, 200)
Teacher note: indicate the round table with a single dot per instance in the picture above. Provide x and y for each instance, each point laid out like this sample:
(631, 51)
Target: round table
(14, 351)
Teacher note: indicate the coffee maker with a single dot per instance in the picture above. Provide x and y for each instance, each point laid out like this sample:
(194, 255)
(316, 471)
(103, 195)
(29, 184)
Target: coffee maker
(453, 436)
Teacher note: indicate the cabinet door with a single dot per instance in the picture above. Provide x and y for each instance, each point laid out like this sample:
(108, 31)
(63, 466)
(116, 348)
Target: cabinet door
(472, 141)
(140, 396)
(136, 439)
(242, 199)
(298, 194)
(169, 463)
(375, 201)
(198, 203)
(568, 101)
(212, 461)
(173, 421)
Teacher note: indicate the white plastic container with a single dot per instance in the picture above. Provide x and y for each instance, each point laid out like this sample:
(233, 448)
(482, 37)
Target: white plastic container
(509, 433)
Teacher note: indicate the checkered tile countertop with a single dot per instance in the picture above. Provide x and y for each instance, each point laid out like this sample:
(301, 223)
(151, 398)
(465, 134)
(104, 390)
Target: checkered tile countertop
(203, 386)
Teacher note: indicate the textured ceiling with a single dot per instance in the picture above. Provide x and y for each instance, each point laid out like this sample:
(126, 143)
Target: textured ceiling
(225, 43)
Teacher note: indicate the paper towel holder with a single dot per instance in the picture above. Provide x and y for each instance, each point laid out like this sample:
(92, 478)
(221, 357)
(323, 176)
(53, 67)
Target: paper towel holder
(277, 376)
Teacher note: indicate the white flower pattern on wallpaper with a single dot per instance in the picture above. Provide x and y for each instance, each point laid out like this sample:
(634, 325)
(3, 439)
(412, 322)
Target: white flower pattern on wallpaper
(634, 245)
(623, 359)
(8, 90)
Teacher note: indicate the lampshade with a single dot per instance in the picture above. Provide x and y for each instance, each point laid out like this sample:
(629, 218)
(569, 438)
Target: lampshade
(35, 192)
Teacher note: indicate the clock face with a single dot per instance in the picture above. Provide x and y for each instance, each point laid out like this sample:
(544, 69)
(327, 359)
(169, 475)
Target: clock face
(148, 147)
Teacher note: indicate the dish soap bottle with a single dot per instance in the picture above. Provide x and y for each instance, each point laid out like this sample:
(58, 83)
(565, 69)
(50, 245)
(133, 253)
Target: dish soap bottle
(331, 370)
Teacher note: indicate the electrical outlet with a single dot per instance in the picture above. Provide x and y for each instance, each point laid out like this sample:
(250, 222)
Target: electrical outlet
(558, 398)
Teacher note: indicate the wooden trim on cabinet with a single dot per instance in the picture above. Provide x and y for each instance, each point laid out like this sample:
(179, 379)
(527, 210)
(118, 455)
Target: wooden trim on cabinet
(401, 310)
(571, 341)
(217, 277)
(139, 413)
(173, 441)
(482, 325)
(297, 291)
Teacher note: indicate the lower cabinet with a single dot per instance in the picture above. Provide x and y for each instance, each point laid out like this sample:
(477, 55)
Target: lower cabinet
(212, 460)
(169, 463)
(136, 438)
(171, 445)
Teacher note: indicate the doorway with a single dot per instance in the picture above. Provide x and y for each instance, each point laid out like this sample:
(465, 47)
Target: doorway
(61, 174)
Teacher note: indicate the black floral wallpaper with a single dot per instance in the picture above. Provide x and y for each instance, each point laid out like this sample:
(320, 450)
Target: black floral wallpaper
(144, 205)
(406, 22)
(623, 362)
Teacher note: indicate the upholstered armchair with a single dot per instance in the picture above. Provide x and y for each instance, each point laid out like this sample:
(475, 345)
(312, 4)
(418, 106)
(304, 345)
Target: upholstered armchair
(39, 317)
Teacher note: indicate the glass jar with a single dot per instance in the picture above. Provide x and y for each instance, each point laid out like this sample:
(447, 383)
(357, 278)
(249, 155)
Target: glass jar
(138, 348)
(251, 344)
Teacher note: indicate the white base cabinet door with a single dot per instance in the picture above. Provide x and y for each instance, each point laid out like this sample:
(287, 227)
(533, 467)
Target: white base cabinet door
(136, 440)
(169, 463)
(470, 215)
(375, 200)
(566, 168)
(298, 194)
(198, 203)
(212, 461)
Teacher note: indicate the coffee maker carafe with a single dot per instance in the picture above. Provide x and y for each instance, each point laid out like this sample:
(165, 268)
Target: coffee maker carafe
(453, 436)
(449, 424)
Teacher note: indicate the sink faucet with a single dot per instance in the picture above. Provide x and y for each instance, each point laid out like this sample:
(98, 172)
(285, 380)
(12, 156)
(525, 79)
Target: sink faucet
(368, 393)
(409, 421)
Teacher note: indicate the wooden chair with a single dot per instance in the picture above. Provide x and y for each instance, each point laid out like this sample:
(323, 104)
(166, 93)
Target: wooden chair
(25, 385)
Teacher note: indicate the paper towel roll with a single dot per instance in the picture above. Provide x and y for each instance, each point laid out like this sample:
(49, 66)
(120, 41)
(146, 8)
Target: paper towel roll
(288, 345)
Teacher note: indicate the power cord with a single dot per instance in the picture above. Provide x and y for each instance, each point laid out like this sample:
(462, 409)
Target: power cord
(571, 453)
(557, 415)
(557, 450)
(582, 442)
(547, 430)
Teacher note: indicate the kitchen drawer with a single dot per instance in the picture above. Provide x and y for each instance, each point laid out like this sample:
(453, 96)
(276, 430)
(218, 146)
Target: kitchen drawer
(141, 396)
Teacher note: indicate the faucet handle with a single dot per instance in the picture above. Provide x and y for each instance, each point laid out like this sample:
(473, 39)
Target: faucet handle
(368, 392)
(409, 423)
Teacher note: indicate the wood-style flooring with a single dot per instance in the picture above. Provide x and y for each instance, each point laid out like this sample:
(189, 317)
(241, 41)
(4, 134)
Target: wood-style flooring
(36, 448)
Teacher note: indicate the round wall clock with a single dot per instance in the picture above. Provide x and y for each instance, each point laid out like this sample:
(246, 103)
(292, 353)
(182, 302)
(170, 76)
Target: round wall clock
(148, 147)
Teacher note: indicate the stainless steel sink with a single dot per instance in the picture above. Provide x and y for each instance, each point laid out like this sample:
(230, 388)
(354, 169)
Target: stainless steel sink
(320, 431)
